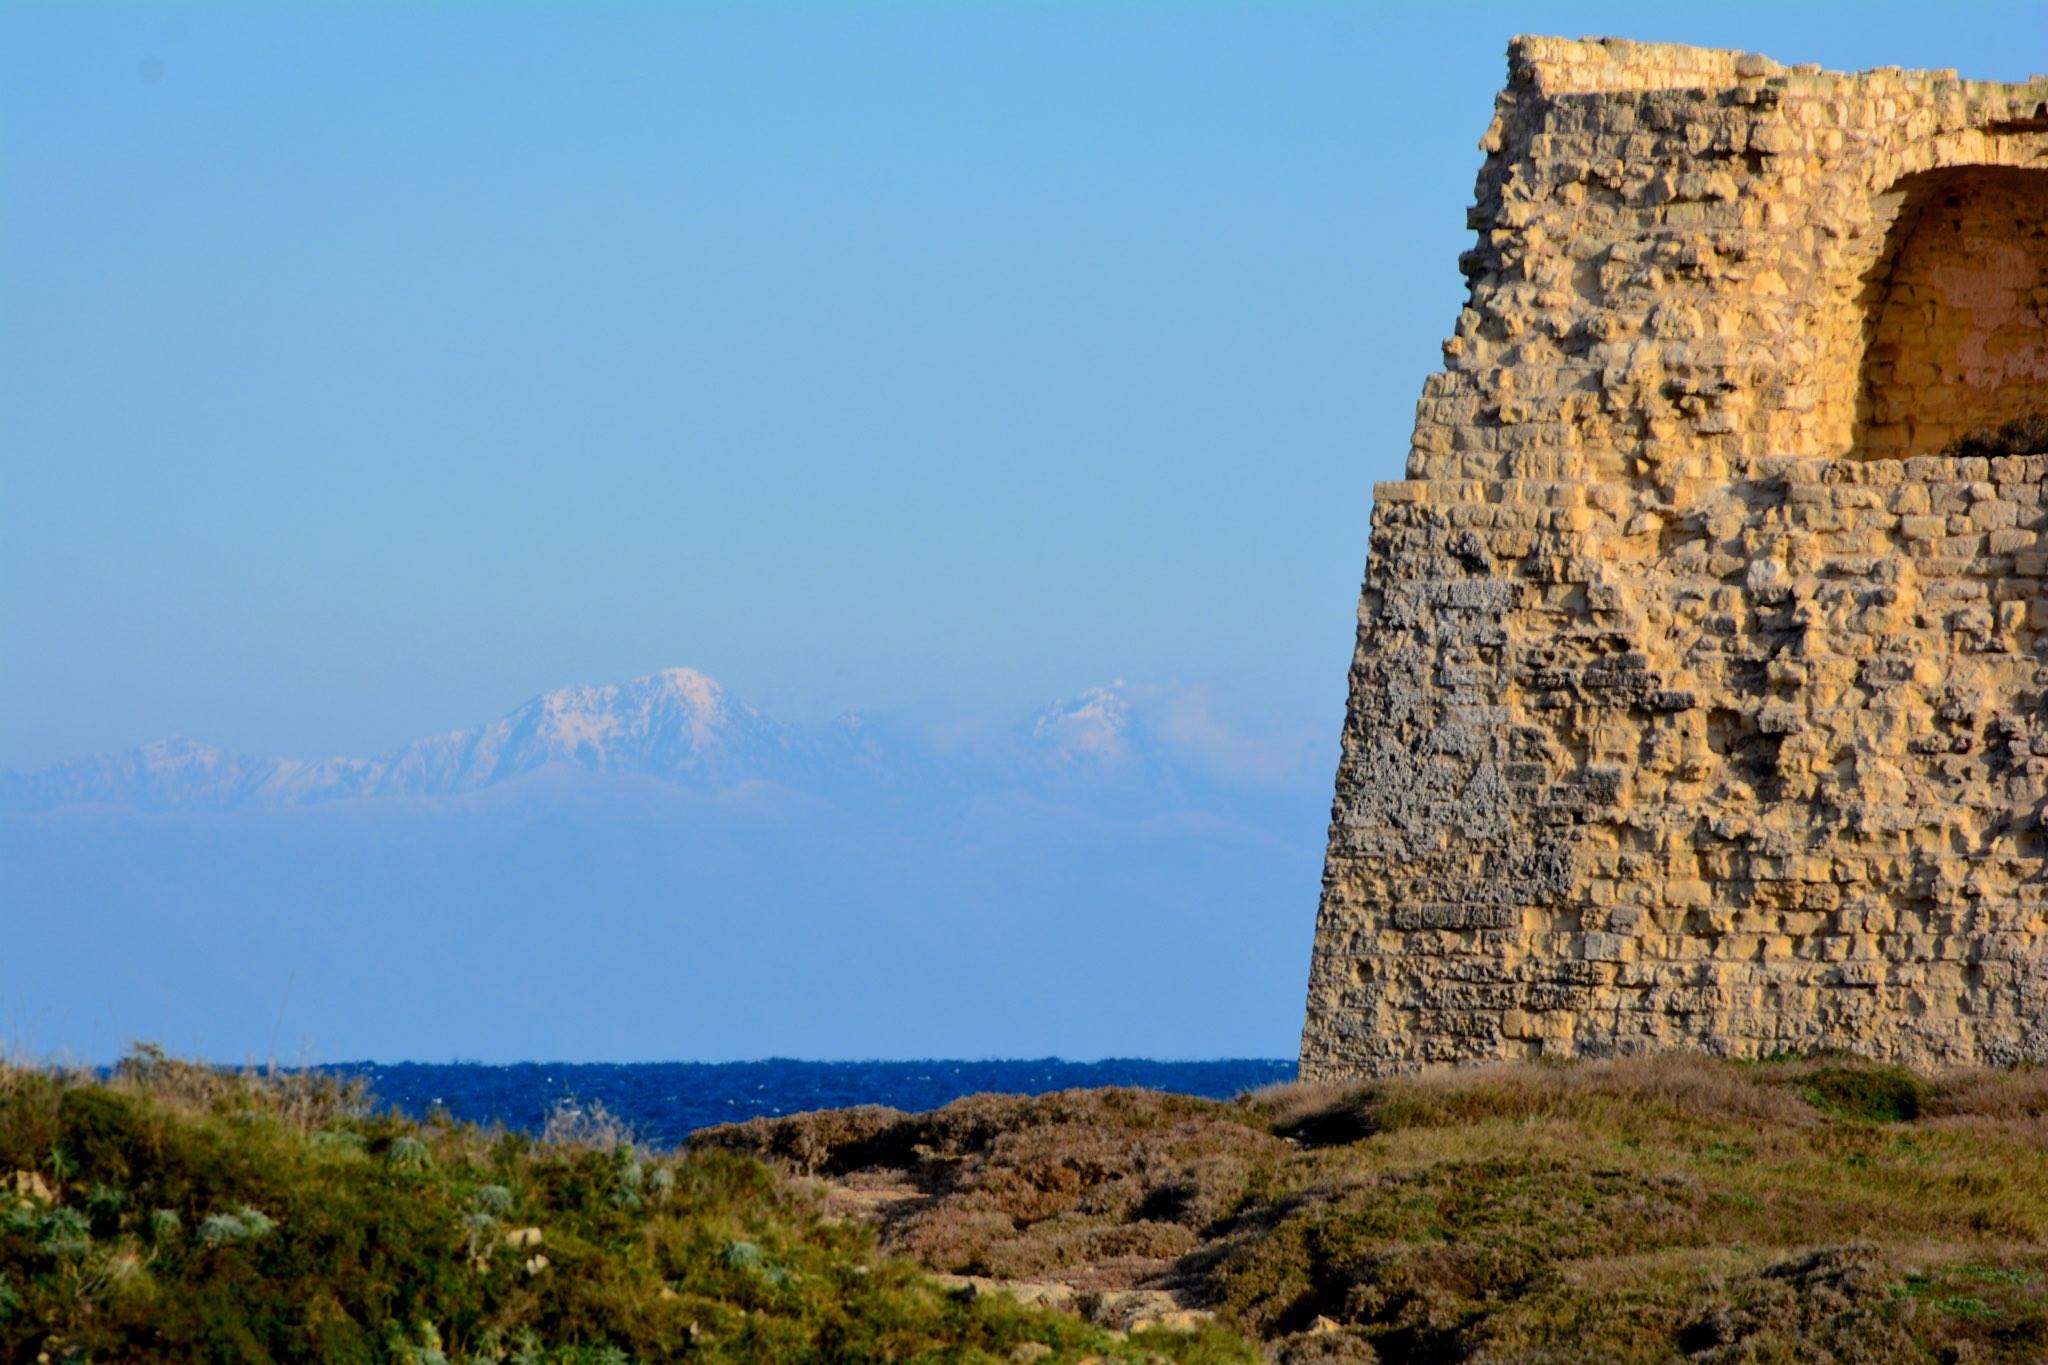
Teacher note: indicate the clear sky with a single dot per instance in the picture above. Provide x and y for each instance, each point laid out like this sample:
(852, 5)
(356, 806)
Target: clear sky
(366, 369)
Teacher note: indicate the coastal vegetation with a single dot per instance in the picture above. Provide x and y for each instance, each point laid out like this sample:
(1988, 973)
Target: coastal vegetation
(174, 1212)
(1675, 1207)
(1655, 1209)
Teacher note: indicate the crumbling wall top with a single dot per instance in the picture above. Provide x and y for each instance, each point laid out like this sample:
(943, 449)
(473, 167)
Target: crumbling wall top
(1567, 66)
(1563, 66)
(1683, 255)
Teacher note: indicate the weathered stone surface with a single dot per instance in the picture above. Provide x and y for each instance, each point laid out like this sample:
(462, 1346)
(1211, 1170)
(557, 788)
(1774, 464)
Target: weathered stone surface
(1697, 700)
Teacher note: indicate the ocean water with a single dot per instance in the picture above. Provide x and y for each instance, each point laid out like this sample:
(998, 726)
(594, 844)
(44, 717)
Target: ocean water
(666, 1101)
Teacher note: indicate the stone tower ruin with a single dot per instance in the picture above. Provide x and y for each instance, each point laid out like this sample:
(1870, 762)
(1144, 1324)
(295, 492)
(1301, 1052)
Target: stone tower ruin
(1700, 700)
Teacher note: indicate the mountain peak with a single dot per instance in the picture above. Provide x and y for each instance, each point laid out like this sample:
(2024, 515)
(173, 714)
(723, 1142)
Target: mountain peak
(701, 689)
(1095, 725)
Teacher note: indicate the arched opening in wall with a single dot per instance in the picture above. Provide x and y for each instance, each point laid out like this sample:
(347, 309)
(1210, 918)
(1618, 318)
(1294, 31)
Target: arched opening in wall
(1955, 321)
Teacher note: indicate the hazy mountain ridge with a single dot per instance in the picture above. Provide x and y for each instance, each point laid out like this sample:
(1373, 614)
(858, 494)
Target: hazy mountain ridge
(678, 725)
(692, 864)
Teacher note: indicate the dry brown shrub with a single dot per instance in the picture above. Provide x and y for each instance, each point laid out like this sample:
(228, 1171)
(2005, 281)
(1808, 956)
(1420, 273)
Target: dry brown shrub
(868, 1136)
(1199, 1193)
(1285, 1104)
(1821, 1304)
(951, 1237)
(1030, 1157)
(1682, 1084)
(1059, 1244)
(975, 1123)
(1497, 1212)
(2007, 1096)
(1019, 1186)
(1339, 1347)
(1118, 1200)
(575, 1126)
(1686, 1083)
(1189, 1173)
(1037, 1172)
(305, 1100)
(827, 1139)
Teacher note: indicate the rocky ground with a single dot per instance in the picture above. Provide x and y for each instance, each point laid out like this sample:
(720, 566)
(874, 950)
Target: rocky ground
(1655, 1209)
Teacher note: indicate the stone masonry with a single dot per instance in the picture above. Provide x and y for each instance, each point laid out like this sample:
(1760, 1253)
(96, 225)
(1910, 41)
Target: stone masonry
(1698, 700)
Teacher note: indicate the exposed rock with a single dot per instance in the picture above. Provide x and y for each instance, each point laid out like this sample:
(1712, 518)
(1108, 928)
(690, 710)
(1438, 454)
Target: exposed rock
(1024, 1291)
(1128, 1310)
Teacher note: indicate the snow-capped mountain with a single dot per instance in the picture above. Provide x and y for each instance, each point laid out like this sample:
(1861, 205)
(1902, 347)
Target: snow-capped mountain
(662, 847)
(683, 727)
(184, 772)
(677, 724)
(1095, 726)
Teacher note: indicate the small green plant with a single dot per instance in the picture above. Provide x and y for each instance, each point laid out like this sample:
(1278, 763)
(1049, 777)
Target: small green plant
(421, 1347)
(103, 1204)
(482, 1231)
(494, 1200)
(1873, 1094)
(628, 1173)
(221, 1228)
(1974, 1309)
(408, 1154)
(244, 1225)
(64, 1233)
(338, 1142)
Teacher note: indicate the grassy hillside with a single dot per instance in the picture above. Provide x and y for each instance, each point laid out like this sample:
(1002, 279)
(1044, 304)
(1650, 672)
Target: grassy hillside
(178, 1213)
(1653, 1210)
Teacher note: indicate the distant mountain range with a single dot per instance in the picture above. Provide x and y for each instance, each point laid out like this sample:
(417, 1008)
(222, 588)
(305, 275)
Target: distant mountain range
(679, 726)
(654, 869)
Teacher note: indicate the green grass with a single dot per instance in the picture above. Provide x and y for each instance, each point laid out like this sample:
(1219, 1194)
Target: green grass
(179, 1213)
(1654, 1209)
(1875, 1094)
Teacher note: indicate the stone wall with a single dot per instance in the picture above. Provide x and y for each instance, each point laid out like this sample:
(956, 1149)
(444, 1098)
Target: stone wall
(1684, 713)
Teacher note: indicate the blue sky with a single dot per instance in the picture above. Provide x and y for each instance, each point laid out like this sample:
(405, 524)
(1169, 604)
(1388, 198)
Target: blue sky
(366, 369)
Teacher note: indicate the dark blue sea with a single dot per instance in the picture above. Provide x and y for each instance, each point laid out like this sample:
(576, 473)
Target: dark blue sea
(664, 1102)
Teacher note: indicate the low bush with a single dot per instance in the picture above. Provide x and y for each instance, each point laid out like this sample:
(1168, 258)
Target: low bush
(1875, 1094)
